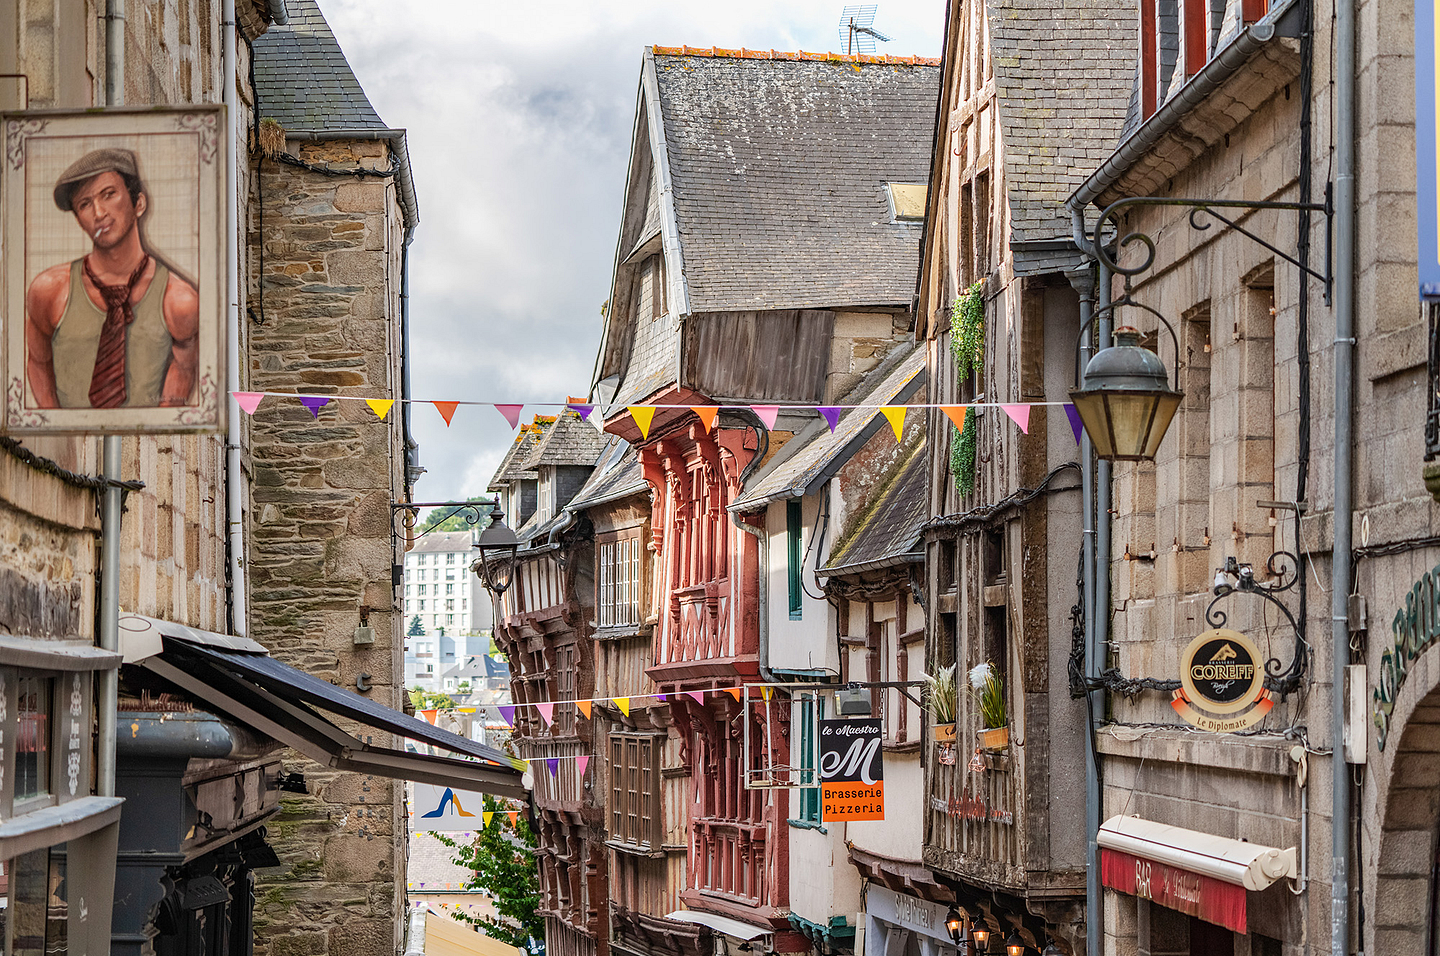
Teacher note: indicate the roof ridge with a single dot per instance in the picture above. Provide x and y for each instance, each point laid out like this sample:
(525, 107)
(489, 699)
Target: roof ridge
(799, 55)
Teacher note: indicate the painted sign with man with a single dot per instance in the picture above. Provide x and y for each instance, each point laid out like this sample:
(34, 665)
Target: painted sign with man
(113, 271)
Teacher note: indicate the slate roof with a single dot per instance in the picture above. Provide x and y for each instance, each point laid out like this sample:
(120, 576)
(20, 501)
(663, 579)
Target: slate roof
(512, 466)
(778, 168)
(569, 441)
(303, 79)
(443, 541)
(817, 447)
(616, 475)
(1063, 78)
(891, 530)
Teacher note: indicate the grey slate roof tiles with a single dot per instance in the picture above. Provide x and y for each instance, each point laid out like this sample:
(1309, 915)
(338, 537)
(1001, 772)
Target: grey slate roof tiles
(1063, 77)
(779, 168)
(512, 466)
(569, 441)
(304, 81)
(891, 528)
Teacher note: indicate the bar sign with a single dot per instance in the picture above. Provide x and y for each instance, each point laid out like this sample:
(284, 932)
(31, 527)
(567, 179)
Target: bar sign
(852, 770)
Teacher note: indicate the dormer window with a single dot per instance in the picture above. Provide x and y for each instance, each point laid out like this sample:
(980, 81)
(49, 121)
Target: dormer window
(907, 201)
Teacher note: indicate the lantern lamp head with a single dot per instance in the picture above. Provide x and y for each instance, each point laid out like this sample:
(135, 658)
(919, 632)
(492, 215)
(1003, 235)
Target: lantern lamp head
(1014, 946)
(1125, 400)
(955, 925)
(497, 545)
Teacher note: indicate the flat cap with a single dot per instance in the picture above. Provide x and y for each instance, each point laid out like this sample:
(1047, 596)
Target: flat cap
(89, 166)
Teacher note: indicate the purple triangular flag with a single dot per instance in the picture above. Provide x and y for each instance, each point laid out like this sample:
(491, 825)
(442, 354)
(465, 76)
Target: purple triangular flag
(1074, 415)
(314, 403)
(507, 714)
(554, 764)
(582, 410)
(831, 416)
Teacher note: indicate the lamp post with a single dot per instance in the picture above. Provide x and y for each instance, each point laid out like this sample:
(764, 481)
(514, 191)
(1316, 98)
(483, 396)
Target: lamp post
(497, 545)
(955, 925)
(1125, 400)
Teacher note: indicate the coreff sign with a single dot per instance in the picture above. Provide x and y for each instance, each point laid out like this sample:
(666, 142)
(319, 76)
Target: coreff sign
(1222, 684)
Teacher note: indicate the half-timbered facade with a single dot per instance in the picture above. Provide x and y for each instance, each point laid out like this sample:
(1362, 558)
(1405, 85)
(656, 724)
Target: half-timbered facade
(1027, 105)
(716, 303)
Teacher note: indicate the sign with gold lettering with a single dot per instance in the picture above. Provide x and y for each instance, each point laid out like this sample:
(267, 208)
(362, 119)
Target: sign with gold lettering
(852, 770)
(1222, 683)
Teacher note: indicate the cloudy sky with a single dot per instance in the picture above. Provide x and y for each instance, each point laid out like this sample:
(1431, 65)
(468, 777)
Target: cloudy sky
(519, 117)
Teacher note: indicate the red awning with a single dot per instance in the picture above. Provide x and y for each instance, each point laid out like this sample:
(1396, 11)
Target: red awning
(1212, 900)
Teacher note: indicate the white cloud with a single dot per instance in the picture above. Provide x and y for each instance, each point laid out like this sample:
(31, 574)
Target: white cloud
(519, 118)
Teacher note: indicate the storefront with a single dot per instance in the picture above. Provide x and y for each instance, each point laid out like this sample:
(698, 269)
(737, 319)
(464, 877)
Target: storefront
(901, 925)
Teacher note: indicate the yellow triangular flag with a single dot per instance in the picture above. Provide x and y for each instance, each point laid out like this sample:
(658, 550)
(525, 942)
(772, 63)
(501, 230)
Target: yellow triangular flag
(380, 406)
(584, 707)
(956, 414)
(767, 692)
(487, 815)
(623, 703)
(643, 415)
(895, 415)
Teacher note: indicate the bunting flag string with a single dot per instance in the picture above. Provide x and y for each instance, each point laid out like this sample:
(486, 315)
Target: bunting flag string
(380, 406)
(446, 410)
(707, 414)
(643, 415)
(895, 415)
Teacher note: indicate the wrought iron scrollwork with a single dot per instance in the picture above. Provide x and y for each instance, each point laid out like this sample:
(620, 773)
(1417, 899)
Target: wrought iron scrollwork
(473, 512)
(1236, 578)
(1201, 210)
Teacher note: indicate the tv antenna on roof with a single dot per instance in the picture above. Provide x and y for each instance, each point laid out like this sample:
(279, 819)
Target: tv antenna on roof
(857, 31)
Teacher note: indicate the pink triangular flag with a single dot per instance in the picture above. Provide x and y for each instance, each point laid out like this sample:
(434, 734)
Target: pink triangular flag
(1019, 414)
(767, 414)
(547, 712)
(248, 401)
(582, 762)
(511, 413)
(699, 695)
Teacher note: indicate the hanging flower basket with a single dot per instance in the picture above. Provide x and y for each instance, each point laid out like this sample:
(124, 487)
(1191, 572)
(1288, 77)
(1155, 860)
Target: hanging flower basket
(942, 733)
(994, 739)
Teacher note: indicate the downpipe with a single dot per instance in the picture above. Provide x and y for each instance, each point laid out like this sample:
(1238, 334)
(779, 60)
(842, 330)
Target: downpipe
(234, 477)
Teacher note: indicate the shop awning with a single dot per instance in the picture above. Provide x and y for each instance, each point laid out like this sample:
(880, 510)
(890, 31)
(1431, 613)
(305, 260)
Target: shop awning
(1196, 873)
(721, 924)
(236, 676)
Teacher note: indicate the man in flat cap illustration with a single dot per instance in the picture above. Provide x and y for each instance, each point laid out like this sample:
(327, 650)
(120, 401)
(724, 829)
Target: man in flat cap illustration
(114, 328)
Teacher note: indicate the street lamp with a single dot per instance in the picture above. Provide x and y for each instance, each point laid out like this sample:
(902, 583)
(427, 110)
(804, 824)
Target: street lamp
(979, 936)
(1014, 946)
(497, 545)
(1125, 400)
(955, 925)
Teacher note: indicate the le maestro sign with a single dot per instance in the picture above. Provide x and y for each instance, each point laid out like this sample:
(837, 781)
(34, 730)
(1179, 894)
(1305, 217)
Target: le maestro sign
(852, 770)
(1222, 684)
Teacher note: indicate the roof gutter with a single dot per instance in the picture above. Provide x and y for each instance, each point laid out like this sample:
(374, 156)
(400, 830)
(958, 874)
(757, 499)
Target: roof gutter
(409, 205)
(1196, 90)
(278, 13)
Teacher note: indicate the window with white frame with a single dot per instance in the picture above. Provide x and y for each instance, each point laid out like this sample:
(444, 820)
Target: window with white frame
(618, 579)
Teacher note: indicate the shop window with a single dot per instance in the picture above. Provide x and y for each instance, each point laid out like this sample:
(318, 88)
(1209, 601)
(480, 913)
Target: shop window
(634, 805)
(793, 556)
(32, 749)
(809, 796)
(35, 909)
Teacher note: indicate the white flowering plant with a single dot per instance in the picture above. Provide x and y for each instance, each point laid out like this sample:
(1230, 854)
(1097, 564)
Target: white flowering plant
(988, 689)
(941, 695)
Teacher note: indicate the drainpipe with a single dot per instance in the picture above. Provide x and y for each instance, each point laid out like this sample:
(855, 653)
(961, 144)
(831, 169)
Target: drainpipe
(1094, 700)
(234, 479)
(762, 546)
(1100, 635)
(1344, 447)
(112, 500)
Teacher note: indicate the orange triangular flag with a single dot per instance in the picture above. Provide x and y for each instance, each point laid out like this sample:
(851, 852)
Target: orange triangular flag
(707, 413)
(733, 692)
(623, 703)
(514, 817)
(956, 413)
(643, 415)
(381, 406)
(584, 707)
(895, 415)
(446, 410)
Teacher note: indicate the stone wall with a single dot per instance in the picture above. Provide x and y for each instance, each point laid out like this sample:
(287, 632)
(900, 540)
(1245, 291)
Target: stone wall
(321, 545)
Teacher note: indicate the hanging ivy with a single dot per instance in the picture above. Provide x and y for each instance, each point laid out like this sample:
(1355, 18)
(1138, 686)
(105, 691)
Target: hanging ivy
(967, 330)
(962, 453)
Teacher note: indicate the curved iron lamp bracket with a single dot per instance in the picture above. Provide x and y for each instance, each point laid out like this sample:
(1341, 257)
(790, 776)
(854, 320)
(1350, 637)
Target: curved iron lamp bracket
(1127, 300)
(1285, 568)
(1200, 209)
(473, 512)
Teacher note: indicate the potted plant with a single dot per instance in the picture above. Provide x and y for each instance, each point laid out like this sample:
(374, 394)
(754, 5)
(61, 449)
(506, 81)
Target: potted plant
(988, 689)
(941, 699)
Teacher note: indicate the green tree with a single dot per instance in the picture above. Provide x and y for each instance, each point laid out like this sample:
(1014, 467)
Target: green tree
(502, 861)
(416, 628)
(447, 519)
(428, 700)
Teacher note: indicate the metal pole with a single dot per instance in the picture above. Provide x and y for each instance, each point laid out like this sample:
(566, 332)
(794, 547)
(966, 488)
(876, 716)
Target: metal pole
(112, 500)
(234, 477)
(1094, 893)
(1340, 558)
(1095, 647)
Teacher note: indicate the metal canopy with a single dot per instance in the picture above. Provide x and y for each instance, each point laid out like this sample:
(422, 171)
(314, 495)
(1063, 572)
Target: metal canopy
(277, 700)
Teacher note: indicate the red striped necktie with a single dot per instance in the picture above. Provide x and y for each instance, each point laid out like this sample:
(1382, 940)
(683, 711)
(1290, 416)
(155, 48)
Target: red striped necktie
(107, 384)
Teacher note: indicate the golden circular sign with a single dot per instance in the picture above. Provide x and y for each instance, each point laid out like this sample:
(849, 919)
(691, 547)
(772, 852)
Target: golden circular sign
(1221, 671)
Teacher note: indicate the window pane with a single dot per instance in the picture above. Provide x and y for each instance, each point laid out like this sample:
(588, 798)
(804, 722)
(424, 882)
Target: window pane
(32, 752)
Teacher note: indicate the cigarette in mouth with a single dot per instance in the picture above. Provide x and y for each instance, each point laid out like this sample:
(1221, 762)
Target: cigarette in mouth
(97, 232)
